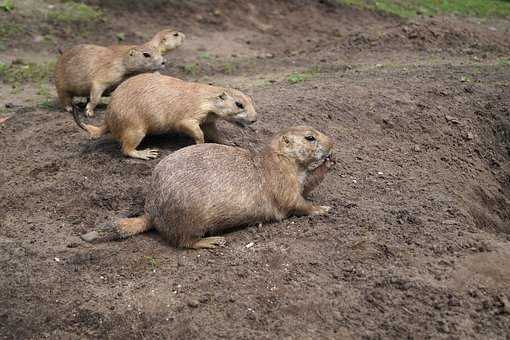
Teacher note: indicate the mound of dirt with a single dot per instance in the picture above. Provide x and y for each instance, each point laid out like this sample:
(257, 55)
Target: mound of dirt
(416, 244)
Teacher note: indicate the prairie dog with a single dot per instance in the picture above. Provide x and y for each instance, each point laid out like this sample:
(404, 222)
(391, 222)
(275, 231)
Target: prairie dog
(89, 70)
(152, 103)
(205, 189)
(164, 41)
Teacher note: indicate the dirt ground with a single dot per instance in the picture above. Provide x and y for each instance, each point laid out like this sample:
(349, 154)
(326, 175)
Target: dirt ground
(417, 244)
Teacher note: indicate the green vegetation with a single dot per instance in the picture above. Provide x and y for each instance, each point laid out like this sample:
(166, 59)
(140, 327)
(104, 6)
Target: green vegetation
(48, 104)
(70, 12)
(7, 5)
(409, 8)
(503, 61)
(9, 29)
(228, 68)
(191, 68)
(120, 36)
(204, 55)
(19, 72)
(296, 77)
(152, 262)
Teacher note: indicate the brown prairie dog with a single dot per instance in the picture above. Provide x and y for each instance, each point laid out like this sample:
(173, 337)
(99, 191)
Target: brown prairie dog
(164, 41)
(152, 103)
(89, 70)
(205, 189)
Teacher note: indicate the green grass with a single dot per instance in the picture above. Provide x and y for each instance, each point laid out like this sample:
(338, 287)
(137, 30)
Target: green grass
(298, 77)
(410, 8)
(20, 72)
(503, 61)
(204, 55)
(152, 262)
(72, 12)
(9, 29)
(48, 104)
(191, 68)
(7, 5)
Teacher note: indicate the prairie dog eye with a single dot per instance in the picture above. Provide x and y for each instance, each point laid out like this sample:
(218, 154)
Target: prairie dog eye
(240, 105)
(176, 34)
(310, 138)
(146, 55)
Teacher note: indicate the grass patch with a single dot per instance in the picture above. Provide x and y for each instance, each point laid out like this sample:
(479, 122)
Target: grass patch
(503, 61)
(191, 68)
(9, 29)
(204, 55)
(19, 72)
(410, 8)
(7, 5)
(48, 104)
(152, 262)
(228, 68)
(72, 12)
(298, 77)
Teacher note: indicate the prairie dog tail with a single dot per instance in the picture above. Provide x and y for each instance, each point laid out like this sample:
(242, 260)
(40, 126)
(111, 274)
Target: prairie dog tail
(94, 131)
(120, 229)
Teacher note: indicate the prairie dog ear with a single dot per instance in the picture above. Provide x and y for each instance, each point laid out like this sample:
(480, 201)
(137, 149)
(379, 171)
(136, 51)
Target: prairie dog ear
(223, 96)
(132, 52)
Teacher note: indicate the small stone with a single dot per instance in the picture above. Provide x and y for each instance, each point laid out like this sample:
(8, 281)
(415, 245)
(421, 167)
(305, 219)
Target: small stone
(452, 119)
(249, 245)
(505, 304)
(417, 148)
(193, 303)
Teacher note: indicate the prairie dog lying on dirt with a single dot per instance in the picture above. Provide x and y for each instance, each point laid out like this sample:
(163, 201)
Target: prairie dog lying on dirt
(204, 189)
(151, 103)
(89, 70)
(164, 41)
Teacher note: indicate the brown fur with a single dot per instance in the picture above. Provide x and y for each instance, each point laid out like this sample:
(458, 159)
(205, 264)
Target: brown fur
(205, 189)
(164, 41)
(151, 103)
(89, 70)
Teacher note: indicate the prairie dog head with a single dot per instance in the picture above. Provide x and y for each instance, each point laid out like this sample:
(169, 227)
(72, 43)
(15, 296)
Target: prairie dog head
(167, 40)
(308, 147)
(143, 59)
(235, 107)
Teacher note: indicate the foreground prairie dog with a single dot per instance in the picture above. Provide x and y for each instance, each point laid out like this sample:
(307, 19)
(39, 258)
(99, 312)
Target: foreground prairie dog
(89, 70)
(164, 41)
(204, 189)
(152, 103)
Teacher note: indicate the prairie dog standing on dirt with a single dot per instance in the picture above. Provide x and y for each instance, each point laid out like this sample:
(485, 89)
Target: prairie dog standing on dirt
(152, 103)
(164, 41)
(167, 40)
(89, 70)
(204, 189)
